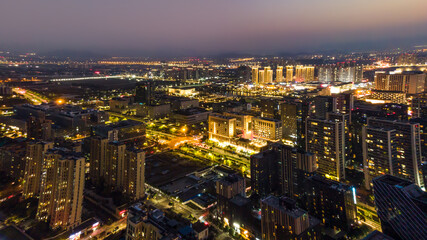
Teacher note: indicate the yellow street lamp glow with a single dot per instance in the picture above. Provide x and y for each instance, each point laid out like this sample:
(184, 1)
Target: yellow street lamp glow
(60, 101)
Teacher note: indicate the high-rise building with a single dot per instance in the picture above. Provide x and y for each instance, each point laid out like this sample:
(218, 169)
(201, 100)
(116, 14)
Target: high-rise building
(326, 139)
(268, 107)
(304, 73)
(323, 105)
(133, 175)
(282, 219)
(261, 76)
(243, 123)
(334, 203)
(325, 74)
(401, 207)
(113, 167)
(404, 82)
(379, 152)
(281, 170)
(289, 74)
(143, 92)
(34, 160)
(294, 165)
(309, 74)
(407, 162)
(61, 198)
(98, 156)
(293, 114)
(255, 77)
(265, 173)
(221, 128)
(279, 74)
(268, 77)
(299, 73)
(117, 167)
(340, 73)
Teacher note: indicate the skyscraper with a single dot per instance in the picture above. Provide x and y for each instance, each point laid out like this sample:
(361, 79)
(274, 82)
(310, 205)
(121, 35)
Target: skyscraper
(279, 74)
(255, 77)
(61, 198)
(289, 74)
(401, 207)
(34, 161)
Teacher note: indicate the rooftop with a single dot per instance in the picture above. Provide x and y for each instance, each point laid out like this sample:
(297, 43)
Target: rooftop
(277, 203)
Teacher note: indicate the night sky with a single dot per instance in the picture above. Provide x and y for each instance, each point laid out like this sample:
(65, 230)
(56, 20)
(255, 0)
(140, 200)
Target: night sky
(126, 27)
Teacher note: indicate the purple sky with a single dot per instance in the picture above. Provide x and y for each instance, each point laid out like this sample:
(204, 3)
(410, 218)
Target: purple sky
(210, 26)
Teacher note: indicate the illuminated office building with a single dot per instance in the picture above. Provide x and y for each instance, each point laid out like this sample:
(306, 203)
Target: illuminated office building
(34, 160)
(61, 198)
(279, 74)
(289, 74)
(401, 207)
(326, 139)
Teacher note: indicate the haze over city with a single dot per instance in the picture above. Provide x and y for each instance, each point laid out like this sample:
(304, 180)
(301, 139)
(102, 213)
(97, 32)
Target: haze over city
(195, 27)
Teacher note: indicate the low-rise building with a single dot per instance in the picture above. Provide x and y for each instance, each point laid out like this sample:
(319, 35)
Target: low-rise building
(190, 116)
(267, 128)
